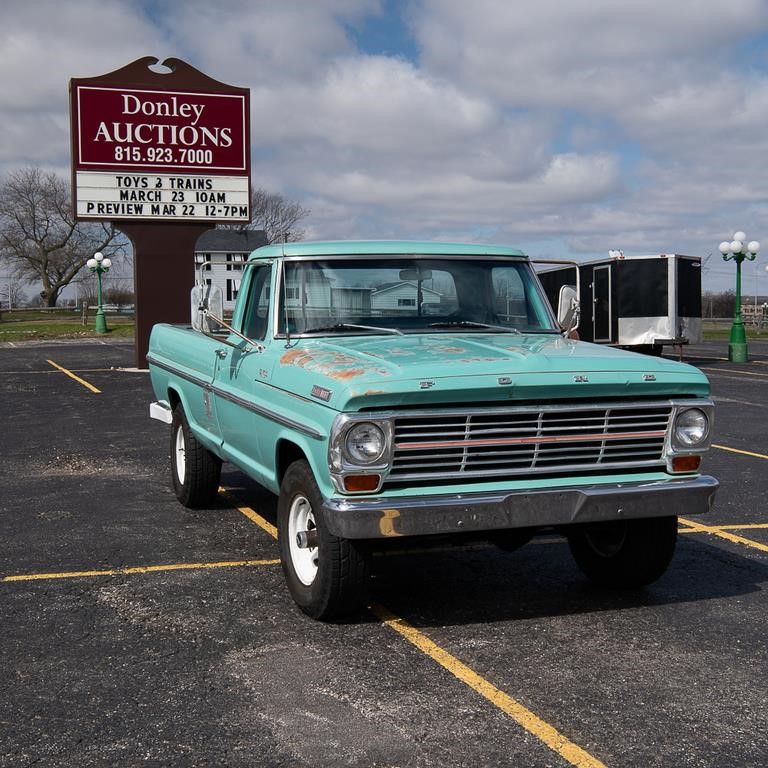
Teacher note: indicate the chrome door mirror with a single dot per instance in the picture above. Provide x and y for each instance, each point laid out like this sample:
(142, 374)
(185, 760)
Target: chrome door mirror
(206, 303)
(568, 309)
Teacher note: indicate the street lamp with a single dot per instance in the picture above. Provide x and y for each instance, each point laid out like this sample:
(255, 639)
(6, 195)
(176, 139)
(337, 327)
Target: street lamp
(737, 251)
(99, 265)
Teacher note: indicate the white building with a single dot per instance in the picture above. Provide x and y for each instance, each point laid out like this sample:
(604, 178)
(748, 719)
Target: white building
(227, 250)
(401, 297)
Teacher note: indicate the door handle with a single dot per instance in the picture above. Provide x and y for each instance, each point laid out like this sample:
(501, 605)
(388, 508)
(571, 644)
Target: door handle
(222, 353)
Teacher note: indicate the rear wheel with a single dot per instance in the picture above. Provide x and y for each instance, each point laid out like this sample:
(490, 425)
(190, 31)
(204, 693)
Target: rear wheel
(326, 575)
(195, 471)
(624, 553)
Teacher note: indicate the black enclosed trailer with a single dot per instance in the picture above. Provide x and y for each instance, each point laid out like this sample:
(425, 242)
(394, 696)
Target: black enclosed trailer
(642, 302)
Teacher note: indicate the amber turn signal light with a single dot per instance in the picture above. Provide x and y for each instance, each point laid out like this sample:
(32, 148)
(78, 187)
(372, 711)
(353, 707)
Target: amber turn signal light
(358, 483)
(685, 463)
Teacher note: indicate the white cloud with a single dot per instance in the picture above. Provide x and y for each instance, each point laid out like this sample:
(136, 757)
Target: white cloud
(422, 129)
(264, 43)
(44, 44)
(587, 55)
(594, 123)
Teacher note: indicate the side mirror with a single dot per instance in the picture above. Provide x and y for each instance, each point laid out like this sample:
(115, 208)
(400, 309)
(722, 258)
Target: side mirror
(206, 299)
(568, 309)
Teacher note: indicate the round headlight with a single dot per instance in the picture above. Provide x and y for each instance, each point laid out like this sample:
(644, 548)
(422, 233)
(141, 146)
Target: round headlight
(691, 427)
(364, 443)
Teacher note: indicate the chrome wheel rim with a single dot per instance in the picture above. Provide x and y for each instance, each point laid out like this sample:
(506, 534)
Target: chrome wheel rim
(180, 455)
(304, 560)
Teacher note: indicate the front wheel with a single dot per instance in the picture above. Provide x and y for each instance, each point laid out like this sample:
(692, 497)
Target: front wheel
(326, 575)
(195, 471)
(624, 553)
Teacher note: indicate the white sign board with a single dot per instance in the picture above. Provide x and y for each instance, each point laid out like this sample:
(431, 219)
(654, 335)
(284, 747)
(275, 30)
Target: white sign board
(160, 155)
(161, 196)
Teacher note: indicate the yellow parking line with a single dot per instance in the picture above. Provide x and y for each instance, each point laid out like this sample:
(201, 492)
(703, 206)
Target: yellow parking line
(47, 373)
(251, 514)
(742, 527)
(715, 530)
(738, 450)
(732, 370)
(75, 377)
(136, 569)
(523, 716)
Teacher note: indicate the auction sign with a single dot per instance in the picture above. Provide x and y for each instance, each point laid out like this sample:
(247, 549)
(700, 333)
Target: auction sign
(148, 153)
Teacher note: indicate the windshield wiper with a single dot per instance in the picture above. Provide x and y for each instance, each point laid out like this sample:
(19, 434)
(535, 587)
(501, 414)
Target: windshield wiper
(353, 327)
(472, 324)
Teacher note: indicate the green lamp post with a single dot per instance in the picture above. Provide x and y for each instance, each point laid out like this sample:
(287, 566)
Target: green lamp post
(737, 251)
(99, 265)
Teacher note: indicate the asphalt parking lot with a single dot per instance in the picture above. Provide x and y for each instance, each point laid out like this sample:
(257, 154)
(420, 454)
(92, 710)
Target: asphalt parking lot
(135, 632)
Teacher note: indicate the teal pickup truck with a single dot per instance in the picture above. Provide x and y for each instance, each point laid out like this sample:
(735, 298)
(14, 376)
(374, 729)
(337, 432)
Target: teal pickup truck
(408, 389)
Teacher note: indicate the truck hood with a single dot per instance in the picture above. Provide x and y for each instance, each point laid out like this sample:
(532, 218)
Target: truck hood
(353, 372)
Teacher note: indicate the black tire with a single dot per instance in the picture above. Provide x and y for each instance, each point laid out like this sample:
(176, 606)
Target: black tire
(195, 471)
(327, 581)
(624, 554)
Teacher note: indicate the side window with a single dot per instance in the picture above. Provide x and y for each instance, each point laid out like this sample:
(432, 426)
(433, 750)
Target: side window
(257, 311)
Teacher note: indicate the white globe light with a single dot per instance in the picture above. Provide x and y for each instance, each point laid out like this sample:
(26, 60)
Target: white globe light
(753, 247)
(91, 263)
(737, 246)
(98, 256)
(107, 263)
(724, 247)
(740, 236)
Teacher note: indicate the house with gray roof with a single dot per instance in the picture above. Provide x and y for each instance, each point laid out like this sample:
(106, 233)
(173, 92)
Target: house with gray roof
(222, 252)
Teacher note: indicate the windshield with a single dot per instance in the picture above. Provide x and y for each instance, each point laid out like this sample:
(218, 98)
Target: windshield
(408, 295)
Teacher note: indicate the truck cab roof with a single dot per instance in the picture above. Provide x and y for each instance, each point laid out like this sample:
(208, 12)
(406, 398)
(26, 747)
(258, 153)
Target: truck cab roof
(381, 247)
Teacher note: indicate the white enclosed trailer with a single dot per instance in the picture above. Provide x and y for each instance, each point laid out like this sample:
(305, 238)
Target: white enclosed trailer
(640, 302)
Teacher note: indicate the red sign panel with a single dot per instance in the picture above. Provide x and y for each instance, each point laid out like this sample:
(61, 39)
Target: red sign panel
(131, 129)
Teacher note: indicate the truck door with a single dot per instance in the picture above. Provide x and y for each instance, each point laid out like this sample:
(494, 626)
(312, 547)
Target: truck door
(688, 296)
(242, 371)
(601, 303)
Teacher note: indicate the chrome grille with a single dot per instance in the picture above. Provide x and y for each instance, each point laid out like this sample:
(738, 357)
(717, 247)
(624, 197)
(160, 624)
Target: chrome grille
(515, 441)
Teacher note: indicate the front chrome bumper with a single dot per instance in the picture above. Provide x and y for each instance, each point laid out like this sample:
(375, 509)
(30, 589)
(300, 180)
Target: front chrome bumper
(356, 518)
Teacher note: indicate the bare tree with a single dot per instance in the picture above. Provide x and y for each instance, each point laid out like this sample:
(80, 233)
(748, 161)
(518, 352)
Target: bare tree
(277, 217)
(39, 239)
(12, 293)
(87, 292)
(718, 304)
(118, 295)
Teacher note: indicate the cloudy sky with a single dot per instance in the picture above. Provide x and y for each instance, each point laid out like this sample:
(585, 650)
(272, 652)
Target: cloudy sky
(565, 127)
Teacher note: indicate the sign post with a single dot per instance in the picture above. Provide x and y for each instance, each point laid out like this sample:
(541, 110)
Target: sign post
(165, 157)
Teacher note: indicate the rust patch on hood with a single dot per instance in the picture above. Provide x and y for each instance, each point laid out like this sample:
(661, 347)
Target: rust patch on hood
(345, 375)
(479, 359)
(393, 352)
(290, 358)
(448, 350)
(335, 365)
